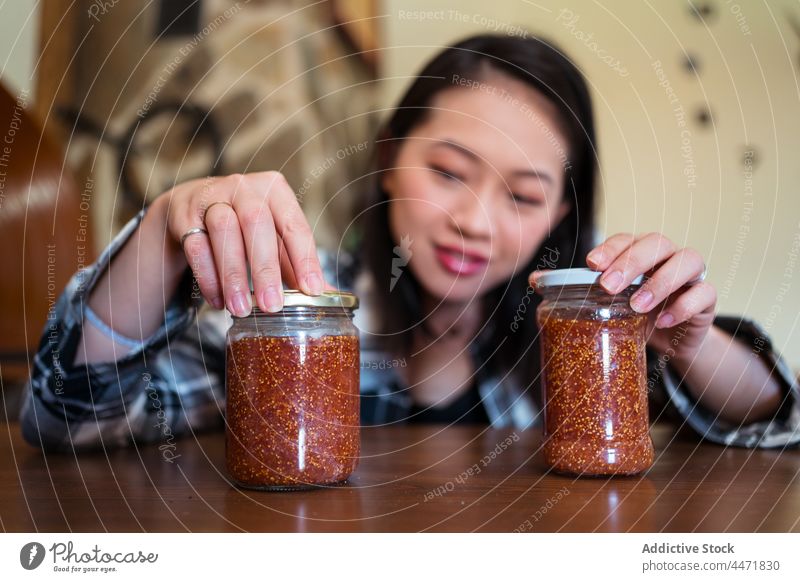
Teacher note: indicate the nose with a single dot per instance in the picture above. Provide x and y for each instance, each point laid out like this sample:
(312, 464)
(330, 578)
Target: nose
(473, 215)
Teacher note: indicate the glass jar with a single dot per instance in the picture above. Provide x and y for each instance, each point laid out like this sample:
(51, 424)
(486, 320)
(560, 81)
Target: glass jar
(292, 394)
(594, 376)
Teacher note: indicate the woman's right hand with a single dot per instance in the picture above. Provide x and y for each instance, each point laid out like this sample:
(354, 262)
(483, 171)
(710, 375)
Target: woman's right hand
(251, 219)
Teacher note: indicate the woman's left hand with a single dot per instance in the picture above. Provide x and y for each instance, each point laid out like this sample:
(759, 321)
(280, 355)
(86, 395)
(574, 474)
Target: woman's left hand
(674, 294)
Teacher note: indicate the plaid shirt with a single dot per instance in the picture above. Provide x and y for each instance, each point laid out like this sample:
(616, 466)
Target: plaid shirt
(174, 383)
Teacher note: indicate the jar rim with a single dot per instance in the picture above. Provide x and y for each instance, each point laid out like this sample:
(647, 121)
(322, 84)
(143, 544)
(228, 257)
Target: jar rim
(296, 298)
(570, 277)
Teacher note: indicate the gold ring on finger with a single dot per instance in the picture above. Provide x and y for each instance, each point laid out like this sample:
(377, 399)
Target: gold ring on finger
(210, 206)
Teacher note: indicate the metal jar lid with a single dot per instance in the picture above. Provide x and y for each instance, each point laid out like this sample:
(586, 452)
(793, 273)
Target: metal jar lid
(335, 299)
(567, 277)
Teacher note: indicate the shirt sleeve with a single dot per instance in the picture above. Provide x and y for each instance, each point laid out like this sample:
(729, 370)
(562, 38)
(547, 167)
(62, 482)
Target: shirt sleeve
(780, 431)
(171, 385)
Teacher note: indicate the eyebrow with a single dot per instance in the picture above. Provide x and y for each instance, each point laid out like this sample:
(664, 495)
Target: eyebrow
(527, 173)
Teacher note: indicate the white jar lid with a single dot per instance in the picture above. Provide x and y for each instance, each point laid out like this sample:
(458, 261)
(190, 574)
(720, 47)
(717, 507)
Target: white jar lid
(564, 277)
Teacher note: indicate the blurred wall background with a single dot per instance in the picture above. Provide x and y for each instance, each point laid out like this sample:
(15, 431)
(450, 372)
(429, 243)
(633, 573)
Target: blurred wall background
(19, 44)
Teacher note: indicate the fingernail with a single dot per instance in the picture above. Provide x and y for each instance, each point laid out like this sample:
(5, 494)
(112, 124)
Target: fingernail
(217, 303)
(612, 281)
(595, 257)
(273, 299)
(314, 283)
(641, 300)
(240, 304)
(665, 320)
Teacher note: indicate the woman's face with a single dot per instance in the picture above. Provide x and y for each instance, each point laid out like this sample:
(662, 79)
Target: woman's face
(476, 187)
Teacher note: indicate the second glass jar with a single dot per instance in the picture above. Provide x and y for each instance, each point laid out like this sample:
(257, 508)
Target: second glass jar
(594, 376)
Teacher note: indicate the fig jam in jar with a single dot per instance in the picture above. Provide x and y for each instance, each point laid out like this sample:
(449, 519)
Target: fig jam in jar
(594, 376)
(292, 394)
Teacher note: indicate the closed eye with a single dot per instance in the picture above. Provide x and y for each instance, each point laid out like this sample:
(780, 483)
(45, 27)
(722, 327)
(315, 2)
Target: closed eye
(446, 174)
(526, 200)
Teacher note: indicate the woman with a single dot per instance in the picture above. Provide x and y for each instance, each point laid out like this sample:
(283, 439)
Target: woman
(485, 175)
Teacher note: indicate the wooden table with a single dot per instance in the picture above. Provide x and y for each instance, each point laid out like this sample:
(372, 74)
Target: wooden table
(410, 478)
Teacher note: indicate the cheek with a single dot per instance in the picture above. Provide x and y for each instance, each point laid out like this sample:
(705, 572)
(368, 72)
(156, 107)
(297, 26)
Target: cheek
(414, 204)
(518, 239)
(410, 184)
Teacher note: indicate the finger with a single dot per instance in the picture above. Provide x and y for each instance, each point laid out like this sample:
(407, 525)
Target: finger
(295, 232)
(533, 278)
(287, 272)
(698, 300)
(644, 254)
(200, 257)
(230, 257)
(681, 268)
(261, 245)
(196, 247)
(600, 257)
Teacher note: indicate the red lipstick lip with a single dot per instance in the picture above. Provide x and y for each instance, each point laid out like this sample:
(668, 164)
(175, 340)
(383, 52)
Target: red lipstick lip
(470, 255)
